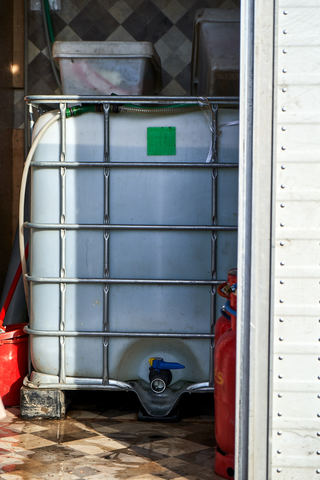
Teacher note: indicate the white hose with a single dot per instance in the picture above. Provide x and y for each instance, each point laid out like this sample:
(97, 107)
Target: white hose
(25, 172)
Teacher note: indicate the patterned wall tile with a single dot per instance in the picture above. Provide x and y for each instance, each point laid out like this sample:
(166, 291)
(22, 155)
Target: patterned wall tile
(161, 4)
(134, 3)
(71, 8)
(147, 22)
(174, 38)
(185, 50)
(40, 76)
(35, 30)
(18, 99)
(121, 11)
(120, 34)
(94, 22)
(174, 10)
(173, 88)
(174, 65)
(33, 51)
(190, 3)
(168, 24)
(57, 22)
(68, 35)
(184, 78)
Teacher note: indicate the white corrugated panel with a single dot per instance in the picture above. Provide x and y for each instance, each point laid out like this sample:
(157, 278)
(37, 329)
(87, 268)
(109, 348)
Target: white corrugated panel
(295, 377)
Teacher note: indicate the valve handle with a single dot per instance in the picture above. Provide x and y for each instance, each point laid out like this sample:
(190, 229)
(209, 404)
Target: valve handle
(160, 364)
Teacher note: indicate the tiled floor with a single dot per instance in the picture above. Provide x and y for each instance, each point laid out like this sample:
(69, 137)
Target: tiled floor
(99, 443)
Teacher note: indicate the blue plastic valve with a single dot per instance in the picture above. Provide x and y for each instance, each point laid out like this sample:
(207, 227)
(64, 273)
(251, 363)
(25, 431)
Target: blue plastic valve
(160, 364)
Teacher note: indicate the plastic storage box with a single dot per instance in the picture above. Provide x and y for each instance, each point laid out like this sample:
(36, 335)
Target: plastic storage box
(103, 68)
(215, 52)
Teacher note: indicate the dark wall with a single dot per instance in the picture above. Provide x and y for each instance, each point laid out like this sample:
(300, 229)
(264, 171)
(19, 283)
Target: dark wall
(6, 122)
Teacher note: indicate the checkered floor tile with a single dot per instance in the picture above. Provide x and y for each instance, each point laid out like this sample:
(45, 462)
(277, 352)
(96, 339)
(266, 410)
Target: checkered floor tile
(99, 443)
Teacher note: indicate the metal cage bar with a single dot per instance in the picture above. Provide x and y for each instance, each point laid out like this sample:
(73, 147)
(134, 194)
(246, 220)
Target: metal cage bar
(121, 281)
(106, 227)
(120, 99)
(134, 165)
(62, 368)
(106, 237)
(214, 173)
(79, 383)
(53, 333)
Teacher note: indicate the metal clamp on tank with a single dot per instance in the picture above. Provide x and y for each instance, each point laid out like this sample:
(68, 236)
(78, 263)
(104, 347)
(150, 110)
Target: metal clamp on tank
(160, 375)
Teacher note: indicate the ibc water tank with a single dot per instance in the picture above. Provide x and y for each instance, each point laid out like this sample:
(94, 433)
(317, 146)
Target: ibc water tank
(126, 247)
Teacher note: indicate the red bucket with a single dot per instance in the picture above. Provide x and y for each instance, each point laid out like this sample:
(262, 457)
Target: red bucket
(13, 363)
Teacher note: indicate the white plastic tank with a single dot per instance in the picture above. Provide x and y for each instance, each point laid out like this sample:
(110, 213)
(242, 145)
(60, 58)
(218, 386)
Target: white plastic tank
(136, 196)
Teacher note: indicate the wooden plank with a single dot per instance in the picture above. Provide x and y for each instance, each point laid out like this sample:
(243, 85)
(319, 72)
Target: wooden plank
(18, 44)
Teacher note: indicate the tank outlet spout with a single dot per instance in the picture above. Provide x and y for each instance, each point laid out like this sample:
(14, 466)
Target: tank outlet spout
(160, 375)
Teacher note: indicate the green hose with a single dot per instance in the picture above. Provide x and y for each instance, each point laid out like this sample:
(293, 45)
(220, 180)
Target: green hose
(49, 21)
(79, 110)
(49, 36)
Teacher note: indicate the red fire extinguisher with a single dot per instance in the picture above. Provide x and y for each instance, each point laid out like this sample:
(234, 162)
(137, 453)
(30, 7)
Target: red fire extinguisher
(223, 323)
(224, 393)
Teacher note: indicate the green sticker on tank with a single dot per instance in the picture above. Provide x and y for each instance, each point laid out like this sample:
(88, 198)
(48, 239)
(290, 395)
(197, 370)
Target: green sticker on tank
(161, 140)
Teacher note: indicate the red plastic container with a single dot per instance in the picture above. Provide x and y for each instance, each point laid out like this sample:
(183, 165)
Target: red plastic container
(224, 396)
(13, 363)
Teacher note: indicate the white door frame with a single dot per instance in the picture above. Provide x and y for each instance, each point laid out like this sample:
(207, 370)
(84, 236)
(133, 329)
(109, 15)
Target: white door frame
(254, 244)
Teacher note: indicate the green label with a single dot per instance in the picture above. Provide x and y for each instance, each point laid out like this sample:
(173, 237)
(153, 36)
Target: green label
(161, 140)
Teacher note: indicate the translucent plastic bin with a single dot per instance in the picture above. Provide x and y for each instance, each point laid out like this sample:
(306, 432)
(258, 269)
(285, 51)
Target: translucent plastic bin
(103, 68)
(216, 52)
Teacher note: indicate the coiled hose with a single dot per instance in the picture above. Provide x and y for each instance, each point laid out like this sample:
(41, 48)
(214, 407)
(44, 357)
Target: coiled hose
(163, 109)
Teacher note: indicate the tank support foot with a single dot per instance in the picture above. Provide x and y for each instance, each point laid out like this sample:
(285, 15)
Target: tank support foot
(42, 403)
(172, 417)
